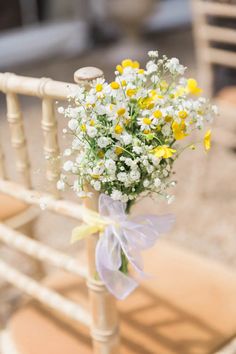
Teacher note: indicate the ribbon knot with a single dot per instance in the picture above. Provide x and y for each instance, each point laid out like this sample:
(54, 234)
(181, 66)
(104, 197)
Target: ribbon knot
(121, 233)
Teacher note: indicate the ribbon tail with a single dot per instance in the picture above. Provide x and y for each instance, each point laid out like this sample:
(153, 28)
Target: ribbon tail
(118, 283)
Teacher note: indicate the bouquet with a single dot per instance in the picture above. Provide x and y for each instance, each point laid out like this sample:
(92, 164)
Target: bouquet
(127, 135)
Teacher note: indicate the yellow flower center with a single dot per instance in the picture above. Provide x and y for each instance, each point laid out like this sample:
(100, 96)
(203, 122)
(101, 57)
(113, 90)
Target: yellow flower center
(118, 150)
(83, 127)
(147, 121)
(168, 119)
(183, 114)
(123, 83)
(131, 92)
(92, 123)
(101, 154)
(146, 131)
(115, 85)
(118, 129)
(141, 71)
(121, 111)
(96, 176)
(99, 87)
(157, 114)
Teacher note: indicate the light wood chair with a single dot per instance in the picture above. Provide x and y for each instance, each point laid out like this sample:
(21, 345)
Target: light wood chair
(207, 34)
(187, 307)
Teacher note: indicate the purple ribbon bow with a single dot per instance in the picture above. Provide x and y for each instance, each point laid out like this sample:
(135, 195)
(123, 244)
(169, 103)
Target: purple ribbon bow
(131, 235)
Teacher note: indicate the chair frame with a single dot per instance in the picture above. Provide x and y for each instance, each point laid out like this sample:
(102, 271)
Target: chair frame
(103, 321)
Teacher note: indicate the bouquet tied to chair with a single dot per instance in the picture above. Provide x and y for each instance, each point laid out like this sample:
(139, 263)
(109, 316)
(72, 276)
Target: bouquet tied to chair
(126, 136)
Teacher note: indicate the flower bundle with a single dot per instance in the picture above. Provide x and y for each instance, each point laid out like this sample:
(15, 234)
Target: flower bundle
(126, 138)
(126, 133)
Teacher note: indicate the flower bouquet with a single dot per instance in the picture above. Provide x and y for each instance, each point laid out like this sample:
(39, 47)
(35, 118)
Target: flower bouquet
(127, 135)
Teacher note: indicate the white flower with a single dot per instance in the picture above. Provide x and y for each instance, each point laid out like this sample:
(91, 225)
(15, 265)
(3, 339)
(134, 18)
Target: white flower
(73, 124)
(153, 53)
(68, 165)
(116, 195)
(122, 176)
(61, 185)
(135, 175)
(67, 152)
(103, 142)
(61, 110)
(92, 132)
(151, 67)
(126, 138)
(157, 182)
(170, 198)
(110, 165)
(146, 183)
(97, 185)
(175, 67)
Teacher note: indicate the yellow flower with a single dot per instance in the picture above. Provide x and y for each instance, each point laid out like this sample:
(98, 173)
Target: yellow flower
(123, 83)
(207, 140)
(183, 114)
(131, 92)
(114, 85)
(157, 114)
(141, 71)
(146, 103)
(118, 150)
(147, 121)
(192, 87)
(99, 87)
(119, 69)
(118, 129)
(179, 130)
(121, 111)
(163, 151)
(126, 62)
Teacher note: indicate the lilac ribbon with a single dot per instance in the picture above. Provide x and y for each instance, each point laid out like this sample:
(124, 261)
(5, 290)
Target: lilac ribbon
(131, 235)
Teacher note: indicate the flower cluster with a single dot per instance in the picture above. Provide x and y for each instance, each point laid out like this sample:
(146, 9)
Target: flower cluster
(126, 133)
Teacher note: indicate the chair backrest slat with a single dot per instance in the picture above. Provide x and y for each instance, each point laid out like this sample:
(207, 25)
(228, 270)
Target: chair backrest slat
(209, 35)
(51, 147)
(18, 140)
(218, 34)
(40, 251)
(213, 8)
(46, 296)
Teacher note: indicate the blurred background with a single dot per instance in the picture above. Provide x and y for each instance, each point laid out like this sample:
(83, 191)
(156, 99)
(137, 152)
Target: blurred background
(53, 38)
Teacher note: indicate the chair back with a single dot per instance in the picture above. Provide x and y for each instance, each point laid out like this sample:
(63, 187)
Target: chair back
(215, 35)
(103, 317)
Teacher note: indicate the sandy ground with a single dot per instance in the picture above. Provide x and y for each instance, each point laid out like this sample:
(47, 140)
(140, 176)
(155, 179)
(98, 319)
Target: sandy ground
(205, 203)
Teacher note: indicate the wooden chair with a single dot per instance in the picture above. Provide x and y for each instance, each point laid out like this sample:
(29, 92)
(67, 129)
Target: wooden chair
(213, 44)
(187, 307)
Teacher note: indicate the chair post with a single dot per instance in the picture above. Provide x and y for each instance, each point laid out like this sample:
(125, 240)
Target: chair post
(104, 331)
(204, 65)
